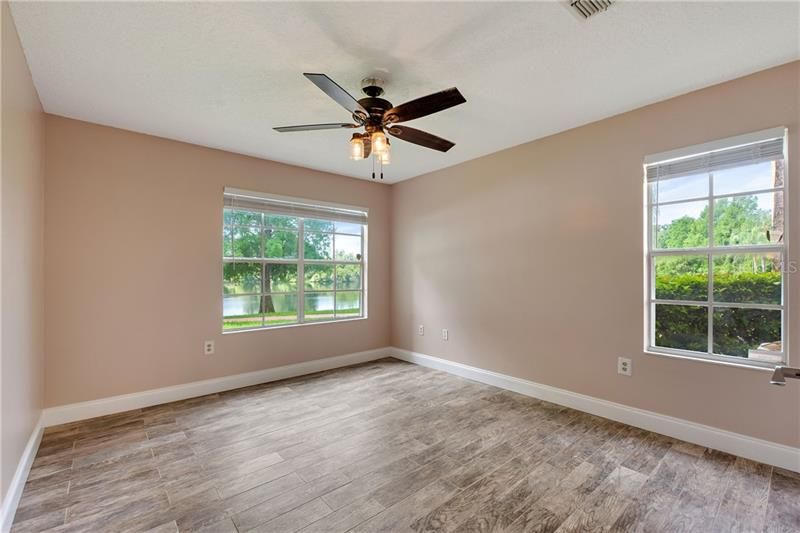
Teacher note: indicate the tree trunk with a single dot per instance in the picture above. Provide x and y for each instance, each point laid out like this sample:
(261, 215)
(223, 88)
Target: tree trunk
(266, 301)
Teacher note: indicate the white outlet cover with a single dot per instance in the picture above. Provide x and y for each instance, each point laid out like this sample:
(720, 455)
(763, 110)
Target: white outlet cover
(421, 330)
(208, 347)
(444, 334)
(624, 366)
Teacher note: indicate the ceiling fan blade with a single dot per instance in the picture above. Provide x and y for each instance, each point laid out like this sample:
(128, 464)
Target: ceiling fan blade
(312, 127)
(421, 138)
(426, 105)
(335, 91)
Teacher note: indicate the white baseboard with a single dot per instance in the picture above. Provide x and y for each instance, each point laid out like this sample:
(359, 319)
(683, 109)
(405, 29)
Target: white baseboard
(11, 500)
(63, 414)
(727, 441)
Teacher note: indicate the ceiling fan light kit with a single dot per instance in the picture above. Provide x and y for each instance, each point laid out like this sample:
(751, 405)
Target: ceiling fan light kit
(378, 117)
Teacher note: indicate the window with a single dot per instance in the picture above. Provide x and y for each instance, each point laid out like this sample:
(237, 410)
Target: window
(716, 250)
(290, 261)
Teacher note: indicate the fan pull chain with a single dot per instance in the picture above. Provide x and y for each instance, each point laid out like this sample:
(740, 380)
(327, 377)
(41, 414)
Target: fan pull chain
(373, 166)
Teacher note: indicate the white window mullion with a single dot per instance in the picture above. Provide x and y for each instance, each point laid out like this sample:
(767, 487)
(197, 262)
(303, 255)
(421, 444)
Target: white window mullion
(710, 262)
(301, 274)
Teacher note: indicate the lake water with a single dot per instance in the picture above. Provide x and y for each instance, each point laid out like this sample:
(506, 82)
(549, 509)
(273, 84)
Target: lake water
(246, 305)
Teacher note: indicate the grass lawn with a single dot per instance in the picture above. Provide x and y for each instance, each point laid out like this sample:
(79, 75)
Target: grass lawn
(282, 317)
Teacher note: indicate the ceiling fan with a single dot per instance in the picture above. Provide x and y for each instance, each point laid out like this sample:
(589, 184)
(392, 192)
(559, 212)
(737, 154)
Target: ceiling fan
(379, 117)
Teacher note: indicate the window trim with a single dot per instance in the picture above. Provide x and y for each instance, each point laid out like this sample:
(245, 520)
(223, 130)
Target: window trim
(301, 262)
(710, 250)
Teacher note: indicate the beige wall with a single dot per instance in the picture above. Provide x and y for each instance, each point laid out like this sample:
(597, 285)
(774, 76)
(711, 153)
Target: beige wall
(21, 279)
(133, 276)
(533, 259)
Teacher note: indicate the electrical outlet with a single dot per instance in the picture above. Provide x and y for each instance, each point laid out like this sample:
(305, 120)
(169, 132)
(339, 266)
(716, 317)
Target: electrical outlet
(444, 334)
(421, 330)
(208, 348)
(624, 366)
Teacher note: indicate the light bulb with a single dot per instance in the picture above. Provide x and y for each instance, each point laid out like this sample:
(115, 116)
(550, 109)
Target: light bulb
(356, 147)
(379, 143)
(386, 157)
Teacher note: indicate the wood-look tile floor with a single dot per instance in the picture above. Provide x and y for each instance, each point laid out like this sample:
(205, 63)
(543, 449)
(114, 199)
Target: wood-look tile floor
(388, 446)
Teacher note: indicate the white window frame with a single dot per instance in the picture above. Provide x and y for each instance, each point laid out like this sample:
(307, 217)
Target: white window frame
(711, 250)
(300, 261)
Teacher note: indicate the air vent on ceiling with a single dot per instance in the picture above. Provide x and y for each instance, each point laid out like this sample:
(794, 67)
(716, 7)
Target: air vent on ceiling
(588, 8)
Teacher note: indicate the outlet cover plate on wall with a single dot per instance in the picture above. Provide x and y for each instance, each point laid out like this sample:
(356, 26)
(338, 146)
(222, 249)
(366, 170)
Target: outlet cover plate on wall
(624, 366)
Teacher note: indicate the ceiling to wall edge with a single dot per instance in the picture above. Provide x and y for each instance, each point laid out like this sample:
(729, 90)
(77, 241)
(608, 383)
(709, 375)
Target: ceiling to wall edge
(389, 181)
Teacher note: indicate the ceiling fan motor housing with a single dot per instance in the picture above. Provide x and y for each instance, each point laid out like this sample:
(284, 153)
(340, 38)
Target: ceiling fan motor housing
(372, 87)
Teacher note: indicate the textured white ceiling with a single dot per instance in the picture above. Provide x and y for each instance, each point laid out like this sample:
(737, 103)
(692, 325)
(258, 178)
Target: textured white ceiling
(223, 74)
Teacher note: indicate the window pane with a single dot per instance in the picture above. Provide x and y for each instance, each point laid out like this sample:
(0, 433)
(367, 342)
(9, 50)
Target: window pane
(243, 218)
(280, 221)
(279, 309)
(747, 178)
(683, 277)
(348, 248)
(280, 244)
(318, 245)
(348, 227)
(683, 188)
(280, 278)
(739, 331)
(312, 224)
(319, 306)
(683, 327)
(748, 220)
(348, 276)
(246, 242)
(748, 278)
(318, 277)
(348, 304)
(227, 241)
(240, 306)
(241, 278)
(681, 225)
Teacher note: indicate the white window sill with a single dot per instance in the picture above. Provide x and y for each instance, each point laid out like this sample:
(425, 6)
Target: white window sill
(761, 366)
(284, 326)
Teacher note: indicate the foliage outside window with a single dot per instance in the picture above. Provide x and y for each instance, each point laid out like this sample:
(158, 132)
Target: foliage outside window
(716, 255)
(280, 269)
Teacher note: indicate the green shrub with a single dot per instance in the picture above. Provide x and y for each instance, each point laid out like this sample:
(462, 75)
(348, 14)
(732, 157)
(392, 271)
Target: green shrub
(735, 330)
